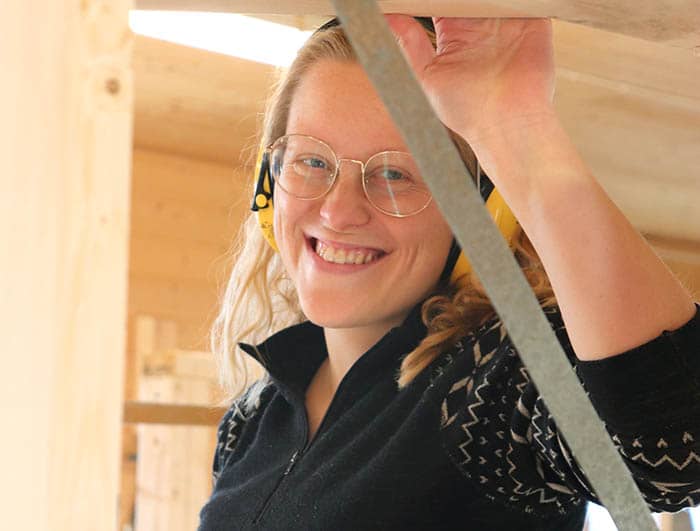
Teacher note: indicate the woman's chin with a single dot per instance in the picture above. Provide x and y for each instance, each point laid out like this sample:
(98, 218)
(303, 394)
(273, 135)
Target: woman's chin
(337, 312)
(332, 316)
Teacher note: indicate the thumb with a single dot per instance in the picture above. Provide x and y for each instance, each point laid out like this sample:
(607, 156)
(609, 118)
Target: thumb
(413, 41)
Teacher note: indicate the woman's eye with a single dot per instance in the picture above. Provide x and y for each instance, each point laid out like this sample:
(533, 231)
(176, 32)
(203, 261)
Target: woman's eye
(389, 174)
(313, 162)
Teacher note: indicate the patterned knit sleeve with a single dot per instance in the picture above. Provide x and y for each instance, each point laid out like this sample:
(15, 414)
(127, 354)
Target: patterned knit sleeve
(223, 432)
(231, 427)
(499, 433)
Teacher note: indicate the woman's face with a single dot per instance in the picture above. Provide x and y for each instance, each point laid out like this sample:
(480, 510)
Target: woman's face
(336, 103)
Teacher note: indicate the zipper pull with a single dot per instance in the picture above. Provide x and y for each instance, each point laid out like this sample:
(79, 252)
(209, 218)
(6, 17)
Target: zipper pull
(291, 463)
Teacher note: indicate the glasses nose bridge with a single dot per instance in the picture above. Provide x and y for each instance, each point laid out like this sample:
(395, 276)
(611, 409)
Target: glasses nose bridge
(339, 161)
(354, 161)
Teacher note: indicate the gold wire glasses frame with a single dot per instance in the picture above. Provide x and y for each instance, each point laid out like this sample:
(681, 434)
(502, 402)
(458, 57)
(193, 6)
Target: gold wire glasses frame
(313, 170)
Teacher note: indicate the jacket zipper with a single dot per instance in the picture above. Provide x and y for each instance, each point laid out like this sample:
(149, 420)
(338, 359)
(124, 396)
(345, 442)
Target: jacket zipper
(297, 454)
(293, 460)
(290, 465)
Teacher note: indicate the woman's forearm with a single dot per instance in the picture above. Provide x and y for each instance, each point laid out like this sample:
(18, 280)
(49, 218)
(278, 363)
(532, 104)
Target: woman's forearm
(613, 290)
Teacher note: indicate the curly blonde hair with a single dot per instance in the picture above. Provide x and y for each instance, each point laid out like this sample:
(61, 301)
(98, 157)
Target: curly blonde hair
(259, 299)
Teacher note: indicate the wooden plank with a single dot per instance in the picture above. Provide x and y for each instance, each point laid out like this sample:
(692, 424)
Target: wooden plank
(191, 334)
(65, 141)
(174, 470)
(643, 151)
(177, 300)
(127, 484)
(154, 218)
(172, 260)
(202, 86)
(190, 365)
(154, 413)
(630, 64)
(676, 250)
(146, 334)
(676, 23)
(176, 176)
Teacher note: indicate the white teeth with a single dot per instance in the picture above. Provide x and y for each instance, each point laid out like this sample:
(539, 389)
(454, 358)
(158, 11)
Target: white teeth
(320, 250)
(344, 256)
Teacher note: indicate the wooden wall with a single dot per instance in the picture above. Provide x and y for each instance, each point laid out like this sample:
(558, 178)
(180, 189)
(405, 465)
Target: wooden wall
(187, 205)
(65, 140)
(185, 214)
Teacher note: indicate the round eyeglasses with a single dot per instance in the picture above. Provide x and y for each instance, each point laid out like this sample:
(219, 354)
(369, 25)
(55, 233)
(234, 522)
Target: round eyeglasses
(306, 168)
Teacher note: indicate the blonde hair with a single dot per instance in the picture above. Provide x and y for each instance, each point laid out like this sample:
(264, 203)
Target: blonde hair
(259, 299)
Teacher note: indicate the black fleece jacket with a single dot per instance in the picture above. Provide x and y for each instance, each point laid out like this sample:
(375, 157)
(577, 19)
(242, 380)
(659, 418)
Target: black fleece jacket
(468, 445)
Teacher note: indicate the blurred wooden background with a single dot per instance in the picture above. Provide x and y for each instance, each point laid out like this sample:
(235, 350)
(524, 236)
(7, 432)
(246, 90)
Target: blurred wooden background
(117, 328)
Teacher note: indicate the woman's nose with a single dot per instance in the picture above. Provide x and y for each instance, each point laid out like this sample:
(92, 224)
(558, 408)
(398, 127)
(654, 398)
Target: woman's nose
(345, 204)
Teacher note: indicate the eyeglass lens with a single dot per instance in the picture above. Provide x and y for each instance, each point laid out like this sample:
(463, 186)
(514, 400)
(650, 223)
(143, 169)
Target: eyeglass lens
(306, 167)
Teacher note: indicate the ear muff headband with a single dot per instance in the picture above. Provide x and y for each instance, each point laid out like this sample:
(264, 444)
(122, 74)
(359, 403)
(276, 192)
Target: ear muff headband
(495, 204)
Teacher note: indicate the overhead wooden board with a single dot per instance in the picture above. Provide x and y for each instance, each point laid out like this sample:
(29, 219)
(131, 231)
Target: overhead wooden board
(197, 103)
(674, 23)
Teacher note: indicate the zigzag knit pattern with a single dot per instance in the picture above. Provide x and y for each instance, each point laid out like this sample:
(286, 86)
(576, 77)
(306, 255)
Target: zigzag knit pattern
(499, 433)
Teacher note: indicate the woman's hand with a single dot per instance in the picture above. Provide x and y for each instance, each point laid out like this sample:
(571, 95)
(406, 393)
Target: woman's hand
(485, 73)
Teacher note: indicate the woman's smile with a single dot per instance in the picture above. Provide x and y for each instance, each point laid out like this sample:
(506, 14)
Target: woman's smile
(343, 253)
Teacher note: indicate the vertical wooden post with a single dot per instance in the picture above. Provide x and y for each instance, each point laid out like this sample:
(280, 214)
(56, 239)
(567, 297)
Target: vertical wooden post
(173, 474)
(65, 147)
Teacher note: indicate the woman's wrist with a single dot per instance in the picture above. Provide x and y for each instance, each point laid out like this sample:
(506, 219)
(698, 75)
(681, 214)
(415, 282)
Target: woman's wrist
(531, 160)
(503, 127)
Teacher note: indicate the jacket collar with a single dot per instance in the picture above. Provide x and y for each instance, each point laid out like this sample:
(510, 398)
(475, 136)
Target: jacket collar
(292, 355)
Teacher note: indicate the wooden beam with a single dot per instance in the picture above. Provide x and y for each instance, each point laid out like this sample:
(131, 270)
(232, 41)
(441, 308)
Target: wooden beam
(205, 92)
(628, 65)
(642, 150)
(153, 413)
(676, 23)
(675, 249)
(65, 145)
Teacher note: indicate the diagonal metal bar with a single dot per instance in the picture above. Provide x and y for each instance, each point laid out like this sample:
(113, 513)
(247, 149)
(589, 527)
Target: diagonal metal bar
(488, 253)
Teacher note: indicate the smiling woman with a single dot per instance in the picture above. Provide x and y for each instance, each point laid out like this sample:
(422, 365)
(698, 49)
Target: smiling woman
(393, 397)
(353, 301)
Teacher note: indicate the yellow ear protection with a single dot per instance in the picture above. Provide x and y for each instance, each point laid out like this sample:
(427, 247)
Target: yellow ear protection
(262, 197)
(457, 267)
